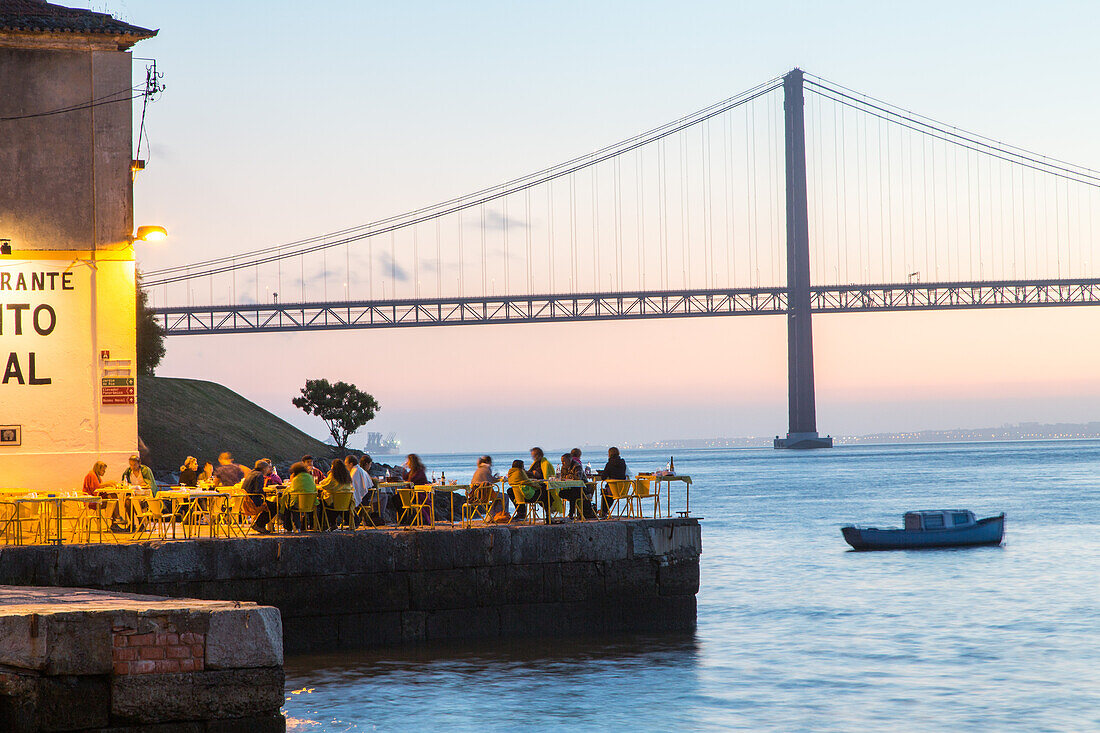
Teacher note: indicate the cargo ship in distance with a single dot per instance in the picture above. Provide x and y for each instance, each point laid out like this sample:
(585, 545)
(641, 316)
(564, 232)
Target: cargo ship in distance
(379, 446)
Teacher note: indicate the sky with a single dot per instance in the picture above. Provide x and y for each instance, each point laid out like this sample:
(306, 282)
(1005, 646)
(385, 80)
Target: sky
(284, 120)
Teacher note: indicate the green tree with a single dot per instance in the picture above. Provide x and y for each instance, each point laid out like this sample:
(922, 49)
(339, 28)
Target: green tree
(344, 407)
(150, 335)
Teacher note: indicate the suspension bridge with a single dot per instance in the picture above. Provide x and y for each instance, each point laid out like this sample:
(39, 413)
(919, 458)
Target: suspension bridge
(795, 197)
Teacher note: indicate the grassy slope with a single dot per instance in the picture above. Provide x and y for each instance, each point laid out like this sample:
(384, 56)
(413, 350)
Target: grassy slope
(182, 417)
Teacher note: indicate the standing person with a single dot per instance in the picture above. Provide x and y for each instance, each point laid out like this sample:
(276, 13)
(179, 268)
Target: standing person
(260, 507)
(571, 471)
(615, 469)
(520, 483)
(189, 472)
(540, 467)
(315, 472)
(227, 472)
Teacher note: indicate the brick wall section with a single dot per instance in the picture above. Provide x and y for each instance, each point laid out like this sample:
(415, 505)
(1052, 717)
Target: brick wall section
(160, 652)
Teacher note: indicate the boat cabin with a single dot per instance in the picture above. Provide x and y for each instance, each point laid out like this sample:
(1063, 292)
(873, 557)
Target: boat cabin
(939, 519)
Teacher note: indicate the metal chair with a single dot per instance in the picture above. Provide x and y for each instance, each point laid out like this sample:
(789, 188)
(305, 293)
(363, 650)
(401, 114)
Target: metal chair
(644, 489)
(420, 501)
(304, 507)
(618, 490)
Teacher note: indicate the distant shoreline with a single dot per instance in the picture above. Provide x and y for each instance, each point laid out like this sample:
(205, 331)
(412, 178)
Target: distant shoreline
(1005, 433)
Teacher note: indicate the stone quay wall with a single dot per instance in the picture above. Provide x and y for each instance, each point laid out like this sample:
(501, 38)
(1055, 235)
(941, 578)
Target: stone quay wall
(341, 590)
(78, 659)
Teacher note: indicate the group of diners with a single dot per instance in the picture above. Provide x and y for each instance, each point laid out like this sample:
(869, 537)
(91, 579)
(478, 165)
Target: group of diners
(372, 488)
(530, 481)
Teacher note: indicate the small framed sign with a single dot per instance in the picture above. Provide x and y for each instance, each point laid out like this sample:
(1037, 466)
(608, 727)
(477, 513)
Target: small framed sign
(104, 354)
(11, 435)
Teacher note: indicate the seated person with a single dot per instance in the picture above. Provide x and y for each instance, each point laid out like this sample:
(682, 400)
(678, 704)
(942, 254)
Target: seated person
(571, 470)
(189, 472)
(256, 504)
(614, 470)
(540, 467)
(94, 485)
(415, 473)
(140, 476)
(301, 482)
(338, 480)
(482, 487)
(317, 473)
(519, 483)
(273, 477)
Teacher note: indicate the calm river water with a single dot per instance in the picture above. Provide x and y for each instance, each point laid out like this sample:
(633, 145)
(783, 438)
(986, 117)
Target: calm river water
(795, 632)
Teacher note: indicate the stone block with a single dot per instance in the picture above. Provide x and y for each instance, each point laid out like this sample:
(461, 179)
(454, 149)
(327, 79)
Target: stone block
(679, 578)
(630, 579)
(78, 643)
(581, 581)
(23, 642)
(524, 584)
(536, 543)
(100, 565)
(413, 626)
(224, 694)
(594, 541)
(73, 703)
(463, 623)
(481, 546)
(438, 589)
(366, 630)
(370, 552)
(435, 550)
(308, 634)
(492, 585)
(403, 547)
(245, 637)
(28, 565)
(174, 561)
(385, 592)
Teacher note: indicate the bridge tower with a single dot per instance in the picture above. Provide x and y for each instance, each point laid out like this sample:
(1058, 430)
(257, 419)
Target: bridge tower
(802, 431)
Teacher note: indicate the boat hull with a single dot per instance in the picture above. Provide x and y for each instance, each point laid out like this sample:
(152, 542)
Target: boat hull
(988, 531)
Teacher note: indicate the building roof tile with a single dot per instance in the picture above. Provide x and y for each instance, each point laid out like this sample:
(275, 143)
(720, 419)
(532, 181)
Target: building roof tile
(44, 17)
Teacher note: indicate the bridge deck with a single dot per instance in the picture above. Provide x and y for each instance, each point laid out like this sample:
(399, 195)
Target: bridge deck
(321, 316)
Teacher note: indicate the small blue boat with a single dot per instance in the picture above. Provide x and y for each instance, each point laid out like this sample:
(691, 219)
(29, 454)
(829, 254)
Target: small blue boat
(928, 529)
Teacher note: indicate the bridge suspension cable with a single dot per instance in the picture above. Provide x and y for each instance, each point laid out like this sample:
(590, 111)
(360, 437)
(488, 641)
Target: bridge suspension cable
(458, 204)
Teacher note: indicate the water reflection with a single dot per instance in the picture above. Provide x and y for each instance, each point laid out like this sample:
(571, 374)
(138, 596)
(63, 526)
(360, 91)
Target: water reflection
(497, 683)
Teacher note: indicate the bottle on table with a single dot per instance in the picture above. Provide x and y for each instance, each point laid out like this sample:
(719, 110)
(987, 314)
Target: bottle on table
(671, 466)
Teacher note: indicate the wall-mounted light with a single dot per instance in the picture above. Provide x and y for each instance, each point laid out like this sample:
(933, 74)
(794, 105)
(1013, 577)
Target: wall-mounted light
(150, 234)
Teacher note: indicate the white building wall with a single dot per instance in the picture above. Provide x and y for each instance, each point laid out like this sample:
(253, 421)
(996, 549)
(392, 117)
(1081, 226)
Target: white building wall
(86, 308)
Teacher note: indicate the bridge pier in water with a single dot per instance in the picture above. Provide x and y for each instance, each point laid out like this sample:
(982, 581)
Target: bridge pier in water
(802, 430)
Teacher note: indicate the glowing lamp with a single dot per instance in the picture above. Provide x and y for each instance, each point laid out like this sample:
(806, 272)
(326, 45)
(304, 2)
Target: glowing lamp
(151, 234)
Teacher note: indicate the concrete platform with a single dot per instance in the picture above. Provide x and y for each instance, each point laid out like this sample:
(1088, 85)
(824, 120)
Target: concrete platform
(79, 659)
